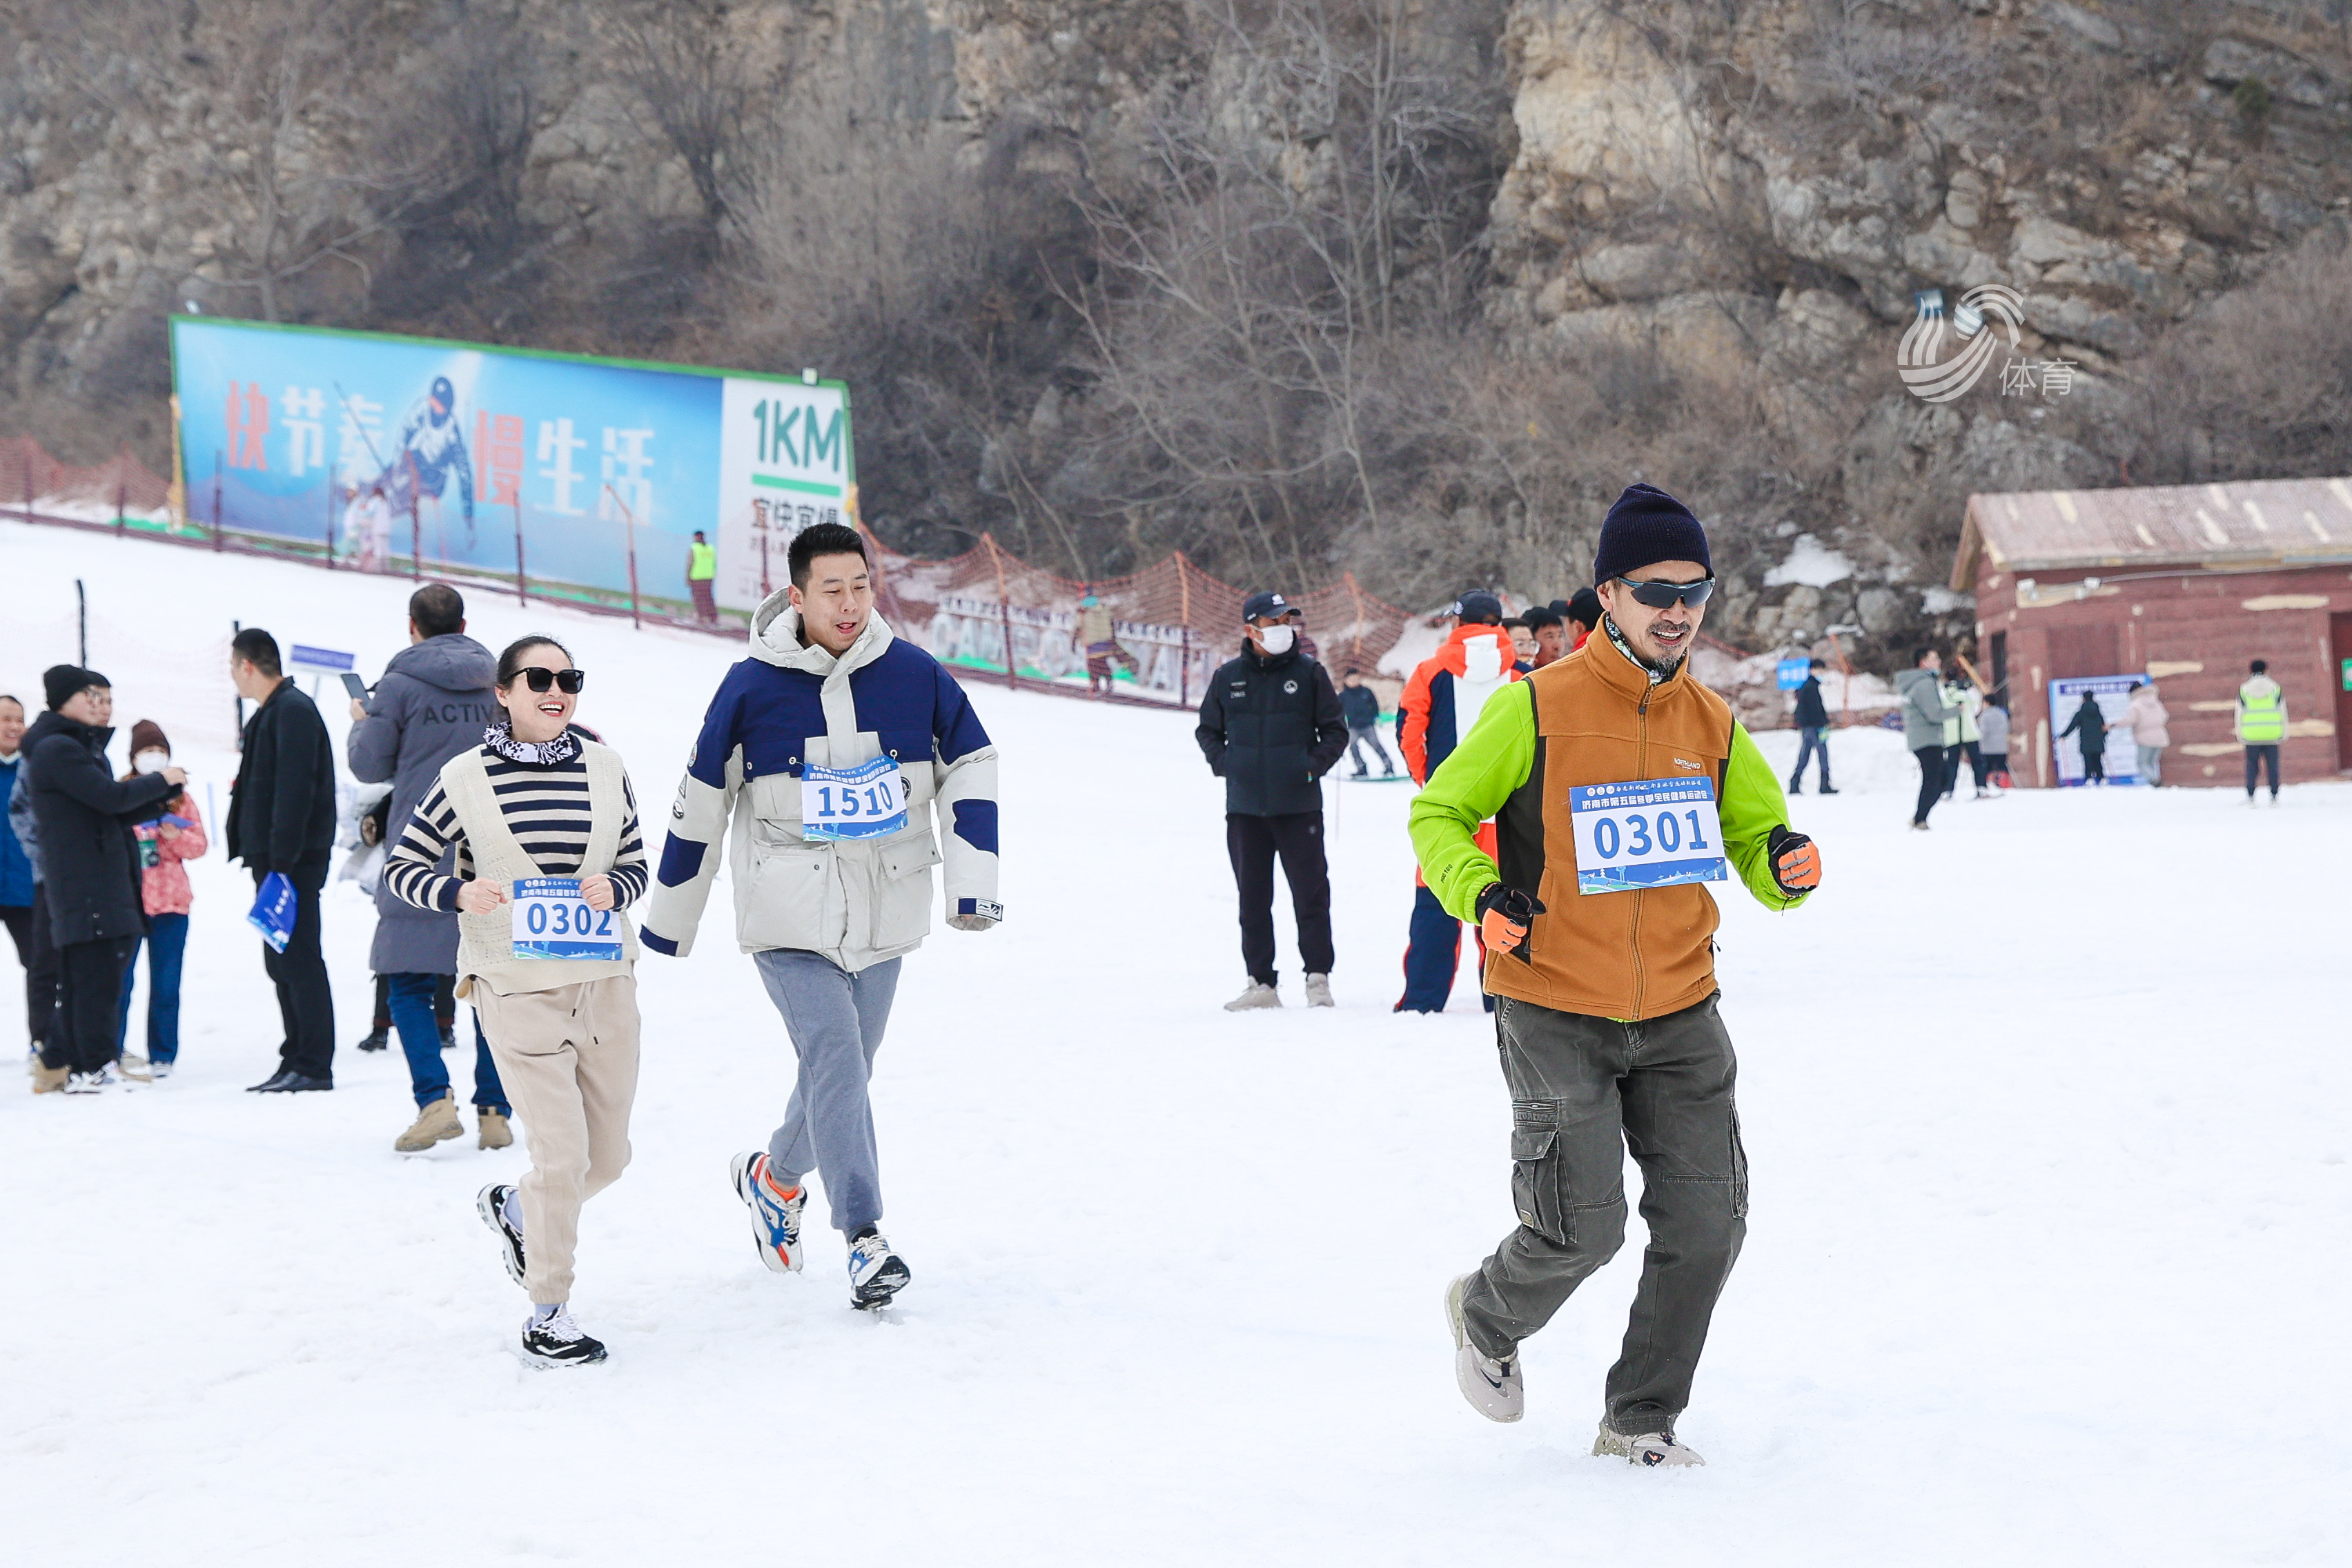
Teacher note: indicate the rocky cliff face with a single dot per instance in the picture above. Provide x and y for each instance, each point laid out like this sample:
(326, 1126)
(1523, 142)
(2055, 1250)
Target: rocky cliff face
(1745, 193)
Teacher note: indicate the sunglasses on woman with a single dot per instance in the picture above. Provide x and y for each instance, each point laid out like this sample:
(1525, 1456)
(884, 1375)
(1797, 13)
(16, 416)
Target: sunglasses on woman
(1657, 595)
(571, 681)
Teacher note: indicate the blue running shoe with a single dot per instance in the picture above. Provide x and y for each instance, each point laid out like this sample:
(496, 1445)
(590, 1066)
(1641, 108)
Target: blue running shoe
(775, 1219)
(876, 1273)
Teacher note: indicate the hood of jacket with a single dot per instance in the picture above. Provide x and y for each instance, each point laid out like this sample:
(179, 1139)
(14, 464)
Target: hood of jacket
(452, 662)
(1906, 682)
(776, 639)
(89, 737)
(1454, 653)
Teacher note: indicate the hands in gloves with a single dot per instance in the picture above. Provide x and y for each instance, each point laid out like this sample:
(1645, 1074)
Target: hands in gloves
(1796, 861)
(1504, 916)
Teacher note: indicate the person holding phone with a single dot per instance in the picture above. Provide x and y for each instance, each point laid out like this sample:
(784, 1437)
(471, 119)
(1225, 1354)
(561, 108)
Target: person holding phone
(541, 814)
(176, 835)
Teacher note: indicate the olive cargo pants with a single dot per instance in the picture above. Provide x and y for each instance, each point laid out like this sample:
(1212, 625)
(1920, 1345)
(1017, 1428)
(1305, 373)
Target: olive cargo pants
(1583, 1091)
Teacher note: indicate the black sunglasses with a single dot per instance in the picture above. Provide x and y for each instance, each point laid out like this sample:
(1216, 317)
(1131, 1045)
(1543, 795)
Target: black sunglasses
(571, 680)
(1666, 595)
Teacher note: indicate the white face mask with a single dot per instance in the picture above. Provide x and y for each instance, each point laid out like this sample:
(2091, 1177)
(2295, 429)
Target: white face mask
(152, 762)
(1482, 658)
(1277, 639)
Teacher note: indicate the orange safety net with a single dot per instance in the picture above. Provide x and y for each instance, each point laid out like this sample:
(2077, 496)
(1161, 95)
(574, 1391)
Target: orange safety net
(30, 479)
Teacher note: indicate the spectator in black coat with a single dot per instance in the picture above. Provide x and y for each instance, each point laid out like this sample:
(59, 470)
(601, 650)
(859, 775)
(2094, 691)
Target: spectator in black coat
(2089, 724)
(1812, 717)
(1359, 705)
(281, 818)
(1271, 727)
(90, 877)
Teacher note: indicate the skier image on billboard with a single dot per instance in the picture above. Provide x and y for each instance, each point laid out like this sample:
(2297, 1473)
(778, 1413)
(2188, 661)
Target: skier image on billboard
(432, 446)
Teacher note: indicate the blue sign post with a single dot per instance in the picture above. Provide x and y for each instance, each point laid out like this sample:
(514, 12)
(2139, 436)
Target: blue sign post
(1791, 672)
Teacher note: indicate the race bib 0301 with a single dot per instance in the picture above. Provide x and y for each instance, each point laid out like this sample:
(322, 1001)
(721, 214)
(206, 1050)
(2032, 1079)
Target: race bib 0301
(864, 802)
(552, 920)
(1645, 833)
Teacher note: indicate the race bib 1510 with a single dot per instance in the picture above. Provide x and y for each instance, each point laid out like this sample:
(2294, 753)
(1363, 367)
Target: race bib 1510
(552, 920)
(1645, 833)
(864, 802)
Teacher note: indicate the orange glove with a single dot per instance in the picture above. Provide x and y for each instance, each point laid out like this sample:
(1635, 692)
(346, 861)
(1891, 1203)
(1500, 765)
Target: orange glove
(1796, 861)
(1504, 916)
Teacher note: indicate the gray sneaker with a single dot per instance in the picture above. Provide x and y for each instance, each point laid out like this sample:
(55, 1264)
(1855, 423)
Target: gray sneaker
(1319, 991)
(1493, 1388)
(1650, 1448)
(1258, 995)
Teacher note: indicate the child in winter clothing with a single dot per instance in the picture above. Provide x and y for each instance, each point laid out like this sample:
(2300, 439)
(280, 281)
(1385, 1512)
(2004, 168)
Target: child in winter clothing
(1992, 726)
(176, 834)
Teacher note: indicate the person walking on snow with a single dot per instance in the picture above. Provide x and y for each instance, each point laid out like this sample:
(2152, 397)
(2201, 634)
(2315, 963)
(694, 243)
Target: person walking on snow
(701, 574)
(2091, 725)
(1992, 725)
(435, 699)
(173, 836)
(832, 746)
(1923, 728)
(2261, 725)
(88, 879)
(2150, 733)
(1440, 704)
(1359, 705)
(1812, 716)
(537, 799)
(1608, 1023)
(281, 818)
(1271, 727)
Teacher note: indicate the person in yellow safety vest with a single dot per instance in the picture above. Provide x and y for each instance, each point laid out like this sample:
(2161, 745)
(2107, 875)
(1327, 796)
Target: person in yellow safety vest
(701, 569)
(2261, 725)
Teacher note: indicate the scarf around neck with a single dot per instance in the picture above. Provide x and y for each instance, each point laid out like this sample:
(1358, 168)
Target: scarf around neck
(501, 738)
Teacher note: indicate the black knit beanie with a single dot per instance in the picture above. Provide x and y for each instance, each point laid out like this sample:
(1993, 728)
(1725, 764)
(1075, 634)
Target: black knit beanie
(1648, 526)
(60, 681)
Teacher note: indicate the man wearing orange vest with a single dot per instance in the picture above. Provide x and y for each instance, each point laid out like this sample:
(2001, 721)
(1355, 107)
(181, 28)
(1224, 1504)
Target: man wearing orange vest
(1619, 786)
(1440, 703)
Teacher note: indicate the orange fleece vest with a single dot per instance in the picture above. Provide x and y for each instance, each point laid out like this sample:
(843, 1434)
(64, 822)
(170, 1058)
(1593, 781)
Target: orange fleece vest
(1637, 954)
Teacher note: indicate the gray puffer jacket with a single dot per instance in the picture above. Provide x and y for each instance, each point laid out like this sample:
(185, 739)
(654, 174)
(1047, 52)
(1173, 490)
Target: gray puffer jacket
(1923, 708)
(434, 701)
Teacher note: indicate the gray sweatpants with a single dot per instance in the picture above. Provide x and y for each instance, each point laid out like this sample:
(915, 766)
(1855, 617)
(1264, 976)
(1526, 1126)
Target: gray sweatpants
(836, 1019)
(1583, 1090)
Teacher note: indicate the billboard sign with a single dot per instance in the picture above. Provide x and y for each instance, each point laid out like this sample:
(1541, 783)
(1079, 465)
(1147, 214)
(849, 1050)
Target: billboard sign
(378, 448)
(2113, 694)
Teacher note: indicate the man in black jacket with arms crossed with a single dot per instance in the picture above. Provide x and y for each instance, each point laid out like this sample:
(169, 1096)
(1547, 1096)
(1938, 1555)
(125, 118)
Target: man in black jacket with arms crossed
(1271, 727)
(281, 818)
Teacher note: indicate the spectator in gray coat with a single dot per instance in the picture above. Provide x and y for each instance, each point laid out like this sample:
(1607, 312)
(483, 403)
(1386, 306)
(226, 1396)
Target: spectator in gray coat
(1923, 727)
(1992, 726)
(435, 699)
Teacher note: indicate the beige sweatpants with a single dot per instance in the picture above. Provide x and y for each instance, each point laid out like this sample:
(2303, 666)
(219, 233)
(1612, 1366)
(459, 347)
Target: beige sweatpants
(569, 1060)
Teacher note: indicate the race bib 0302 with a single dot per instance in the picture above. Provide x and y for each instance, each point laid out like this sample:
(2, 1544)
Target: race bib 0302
(1645, 833)
(552, 920)
(864, 802)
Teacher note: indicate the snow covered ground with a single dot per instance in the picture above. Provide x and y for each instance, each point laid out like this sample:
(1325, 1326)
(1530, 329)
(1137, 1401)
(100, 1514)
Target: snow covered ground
(2047, 1262)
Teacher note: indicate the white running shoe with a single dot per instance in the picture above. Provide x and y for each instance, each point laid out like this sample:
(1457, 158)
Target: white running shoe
(876, 1273)
(775, 1221)
(1650, 1448)
(161, 1070)
(1493, 1388)
(1258, 995)
(97, 1082)
(1319, 991)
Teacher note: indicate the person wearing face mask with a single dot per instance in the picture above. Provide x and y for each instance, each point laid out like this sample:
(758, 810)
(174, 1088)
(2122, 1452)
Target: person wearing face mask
(175, 834)
(1271, 726)
(1620, 786)
(89, 888)
(1441, 700)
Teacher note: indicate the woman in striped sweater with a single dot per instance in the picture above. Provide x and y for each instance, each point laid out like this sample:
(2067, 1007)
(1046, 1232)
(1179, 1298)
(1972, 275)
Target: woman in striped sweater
(541, 798)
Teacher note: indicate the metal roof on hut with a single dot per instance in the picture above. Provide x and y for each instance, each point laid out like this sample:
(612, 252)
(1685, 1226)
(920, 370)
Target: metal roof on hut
(2252, 525)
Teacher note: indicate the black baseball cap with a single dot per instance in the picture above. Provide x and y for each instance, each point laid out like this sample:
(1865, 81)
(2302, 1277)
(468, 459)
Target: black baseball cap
(1274, 605)
(1479, 607)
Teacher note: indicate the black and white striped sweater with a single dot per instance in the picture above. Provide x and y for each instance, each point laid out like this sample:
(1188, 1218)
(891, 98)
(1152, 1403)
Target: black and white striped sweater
(546, 808)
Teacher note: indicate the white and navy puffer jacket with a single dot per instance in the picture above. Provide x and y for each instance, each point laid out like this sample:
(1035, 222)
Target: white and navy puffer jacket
(789, 707)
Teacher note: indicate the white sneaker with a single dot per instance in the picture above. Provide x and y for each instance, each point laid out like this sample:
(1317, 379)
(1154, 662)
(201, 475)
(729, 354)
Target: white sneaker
(1258, 995)
(161, 1070)
(1319, 991)
(1650, 1448)
(1493, 1388)
(97, 1082)
(876, 1273)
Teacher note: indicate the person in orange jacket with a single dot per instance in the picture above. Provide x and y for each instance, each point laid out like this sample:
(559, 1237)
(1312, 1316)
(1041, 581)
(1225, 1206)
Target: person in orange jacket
(1440, 703)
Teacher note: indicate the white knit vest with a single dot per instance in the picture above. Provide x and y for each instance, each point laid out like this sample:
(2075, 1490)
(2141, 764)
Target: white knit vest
(486, 943)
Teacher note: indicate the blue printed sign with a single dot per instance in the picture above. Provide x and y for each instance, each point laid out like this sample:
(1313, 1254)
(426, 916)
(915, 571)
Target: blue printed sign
(1791, 672)
(373, 448)
(326, 661)
(1645, 833)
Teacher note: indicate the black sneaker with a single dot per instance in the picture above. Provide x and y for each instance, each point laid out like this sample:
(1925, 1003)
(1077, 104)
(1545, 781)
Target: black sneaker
(490, 1203)
(876, 1272)
(557, 1340)
(375, 1041)
(1825, 790)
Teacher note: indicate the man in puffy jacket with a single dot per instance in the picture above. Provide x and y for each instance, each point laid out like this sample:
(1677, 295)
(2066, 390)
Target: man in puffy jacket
(1923, 728)
(434, 701)
(2261, 725)
(1271, 727)
(89, 875)
(1442, 699)
(832, 746)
